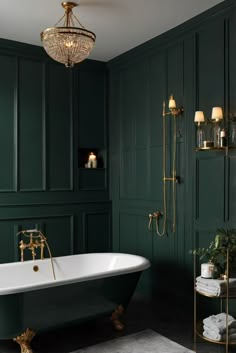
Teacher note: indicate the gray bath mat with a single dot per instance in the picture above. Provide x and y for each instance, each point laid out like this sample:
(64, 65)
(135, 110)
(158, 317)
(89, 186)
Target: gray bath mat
(146, 341)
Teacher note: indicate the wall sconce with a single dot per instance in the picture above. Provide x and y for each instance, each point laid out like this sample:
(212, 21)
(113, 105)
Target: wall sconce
(172, 107)
(211, 135)
(174, 112)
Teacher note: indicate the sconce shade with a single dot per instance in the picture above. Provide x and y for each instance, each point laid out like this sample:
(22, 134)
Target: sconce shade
(172, 104)
(199, 117)
(68, 44)
(217, 113)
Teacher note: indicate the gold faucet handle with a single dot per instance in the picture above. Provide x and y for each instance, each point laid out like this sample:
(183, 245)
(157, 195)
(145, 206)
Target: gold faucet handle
(22, 247)
(36, 243)
(42, 245)
(157, 215)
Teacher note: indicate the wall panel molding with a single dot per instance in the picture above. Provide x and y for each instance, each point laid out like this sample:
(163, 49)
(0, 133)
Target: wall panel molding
(232, 188)
(39, 140)
(9, 123)
(196, 63)
(58, 229)
(210, 181)
(96, 231)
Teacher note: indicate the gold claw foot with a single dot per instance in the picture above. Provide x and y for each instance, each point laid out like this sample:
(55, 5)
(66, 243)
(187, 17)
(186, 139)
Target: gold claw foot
(118, 325)
(24, 340)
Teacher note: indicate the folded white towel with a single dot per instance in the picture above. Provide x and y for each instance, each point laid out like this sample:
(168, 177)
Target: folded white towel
(218, 286)
(217, 336)
(217, 323)
(213, 291)
(205, 289)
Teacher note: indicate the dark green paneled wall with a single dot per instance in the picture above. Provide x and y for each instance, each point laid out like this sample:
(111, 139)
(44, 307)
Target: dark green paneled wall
(48, 113)
(196, 62)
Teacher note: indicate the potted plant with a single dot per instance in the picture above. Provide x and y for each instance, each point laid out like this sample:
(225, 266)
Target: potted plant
(216, 252)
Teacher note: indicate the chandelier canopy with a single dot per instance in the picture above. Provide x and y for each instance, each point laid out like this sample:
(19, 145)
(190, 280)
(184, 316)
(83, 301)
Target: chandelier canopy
(68, 44)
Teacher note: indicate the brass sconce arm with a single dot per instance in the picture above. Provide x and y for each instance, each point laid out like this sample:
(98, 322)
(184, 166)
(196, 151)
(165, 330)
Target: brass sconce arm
(176, 111)
(173, 110)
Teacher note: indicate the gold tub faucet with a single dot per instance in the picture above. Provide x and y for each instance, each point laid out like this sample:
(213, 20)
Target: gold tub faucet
(36, 240)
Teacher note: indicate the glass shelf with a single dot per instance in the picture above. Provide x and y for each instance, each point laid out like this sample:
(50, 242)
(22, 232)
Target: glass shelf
(211, 148)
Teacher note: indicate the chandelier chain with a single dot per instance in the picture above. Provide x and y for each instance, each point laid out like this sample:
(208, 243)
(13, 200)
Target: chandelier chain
(59, 20)
(78, 21)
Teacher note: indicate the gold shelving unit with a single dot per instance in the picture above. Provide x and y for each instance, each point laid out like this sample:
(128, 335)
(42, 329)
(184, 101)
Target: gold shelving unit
(198, 327)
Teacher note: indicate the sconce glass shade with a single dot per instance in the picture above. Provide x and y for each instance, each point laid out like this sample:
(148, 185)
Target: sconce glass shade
(68, 44)
(172, 104)
(217, 113)
(199, 117)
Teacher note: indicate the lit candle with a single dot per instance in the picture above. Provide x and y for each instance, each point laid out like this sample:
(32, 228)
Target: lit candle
(222, 133)
(92, 157)
(217, 113)
(172, 104)
(199, 117)
(92, 161)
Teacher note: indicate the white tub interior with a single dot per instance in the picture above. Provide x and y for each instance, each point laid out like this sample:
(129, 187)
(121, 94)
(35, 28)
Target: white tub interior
(20, 276)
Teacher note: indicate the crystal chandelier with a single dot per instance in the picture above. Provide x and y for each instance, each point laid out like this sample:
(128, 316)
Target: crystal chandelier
(68, 44)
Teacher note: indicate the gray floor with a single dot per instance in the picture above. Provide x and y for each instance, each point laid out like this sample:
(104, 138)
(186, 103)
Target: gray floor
(174, 324)
(147, 341)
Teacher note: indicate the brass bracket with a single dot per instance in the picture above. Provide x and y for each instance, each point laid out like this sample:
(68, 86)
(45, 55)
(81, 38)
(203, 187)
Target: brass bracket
(177, 111)
(175, 179)
(24, 340)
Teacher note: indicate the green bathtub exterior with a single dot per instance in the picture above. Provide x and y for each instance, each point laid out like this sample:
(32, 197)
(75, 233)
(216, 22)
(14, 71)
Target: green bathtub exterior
(50, 308)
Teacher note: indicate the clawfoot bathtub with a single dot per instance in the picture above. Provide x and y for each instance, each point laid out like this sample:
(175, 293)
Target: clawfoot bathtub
(86, 286)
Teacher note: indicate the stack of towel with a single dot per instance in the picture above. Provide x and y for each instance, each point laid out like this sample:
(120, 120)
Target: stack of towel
(215, 287)
(214, 327)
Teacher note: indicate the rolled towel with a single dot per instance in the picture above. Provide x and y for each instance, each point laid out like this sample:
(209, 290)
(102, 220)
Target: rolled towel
(217, 323)
(217, 285)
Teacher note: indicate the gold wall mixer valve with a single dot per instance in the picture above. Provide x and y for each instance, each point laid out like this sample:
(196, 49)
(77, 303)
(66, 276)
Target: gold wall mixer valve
(154, 216)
